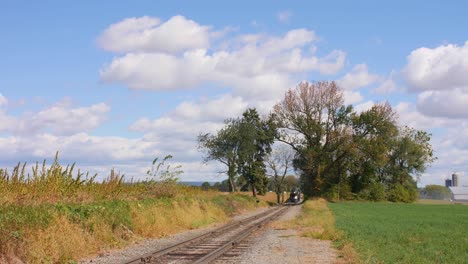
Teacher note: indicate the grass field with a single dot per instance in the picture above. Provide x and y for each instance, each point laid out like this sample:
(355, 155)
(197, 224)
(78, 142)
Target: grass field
(405, 233)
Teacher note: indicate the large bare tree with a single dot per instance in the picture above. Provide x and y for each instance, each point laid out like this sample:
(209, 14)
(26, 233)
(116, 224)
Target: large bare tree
(313, 120)
(279, 164)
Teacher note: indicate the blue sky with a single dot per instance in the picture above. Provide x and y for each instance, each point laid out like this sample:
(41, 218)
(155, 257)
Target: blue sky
(116, 83)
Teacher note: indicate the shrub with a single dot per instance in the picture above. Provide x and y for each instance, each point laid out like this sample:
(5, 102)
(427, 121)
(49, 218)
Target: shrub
(403, 193)
(374, 192)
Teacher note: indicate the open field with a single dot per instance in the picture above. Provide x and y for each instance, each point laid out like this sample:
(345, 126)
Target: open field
(405, 233)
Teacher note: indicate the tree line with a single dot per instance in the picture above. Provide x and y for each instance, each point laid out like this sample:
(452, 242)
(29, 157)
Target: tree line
(338, 153)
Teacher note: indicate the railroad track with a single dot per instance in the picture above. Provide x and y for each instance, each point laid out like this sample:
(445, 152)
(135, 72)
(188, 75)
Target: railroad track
(208, 247)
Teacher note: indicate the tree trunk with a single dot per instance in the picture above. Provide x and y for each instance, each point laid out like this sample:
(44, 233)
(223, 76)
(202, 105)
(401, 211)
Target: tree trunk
(231, 176)
(278, 197)
(232, 187)
(254, 191)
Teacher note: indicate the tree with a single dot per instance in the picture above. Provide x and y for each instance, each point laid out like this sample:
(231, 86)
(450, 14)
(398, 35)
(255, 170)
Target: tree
(223, 147)
(437, 192)
(313, 120)
(206, 186)
(279, 163)
(374, 130)
(290, 182)
(256, 137)
(340, 152)
(410, 155)
(222, 186)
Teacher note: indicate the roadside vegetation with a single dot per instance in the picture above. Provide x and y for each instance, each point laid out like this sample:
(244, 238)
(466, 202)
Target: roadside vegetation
(404, 233)
(56, 215)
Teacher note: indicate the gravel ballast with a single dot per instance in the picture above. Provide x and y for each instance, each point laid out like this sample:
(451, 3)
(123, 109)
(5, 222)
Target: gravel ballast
(147, 246)
(268, 246)
(287, 246)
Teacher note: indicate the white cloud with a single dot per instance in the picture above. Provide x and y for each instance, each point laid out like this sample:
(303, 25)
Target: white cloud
(148, 34)
(358, 77)
(364, 106)
(254, 66)
(409, 116)
(441, 68)
(176, 132)
(284, 16)
(214, 110)
(61, 119)
(387, 86)
(451, 104)
(352, 97)
(440, 76)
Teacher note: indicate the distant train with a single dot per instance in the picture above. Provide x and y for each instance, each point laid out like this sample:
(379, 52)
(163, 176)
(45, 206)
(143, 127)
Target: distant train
(295, 196)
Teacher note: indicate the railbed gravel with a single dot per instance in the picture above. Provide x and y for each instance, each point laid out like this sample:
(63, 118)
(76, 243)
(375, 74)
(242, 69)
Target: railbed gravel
(147, 246)
(285, 246)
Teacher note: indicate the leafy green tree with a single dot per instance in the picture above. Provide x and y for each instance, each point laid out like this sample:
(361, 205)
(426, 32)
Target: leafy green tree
(374, 131)
(223, 186)
(342, 154)
(206, 186)
(290, 182)
(256, 137)
(437, 192)
(223, 147)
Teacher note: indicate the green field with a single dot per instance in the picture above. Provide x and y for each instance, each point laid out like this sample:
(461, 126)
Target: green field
(405, 233)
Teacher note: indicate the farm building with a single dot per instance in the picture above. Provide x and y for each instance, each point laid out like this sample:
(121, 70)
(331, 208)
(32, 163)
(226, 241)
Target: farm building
(459, 193)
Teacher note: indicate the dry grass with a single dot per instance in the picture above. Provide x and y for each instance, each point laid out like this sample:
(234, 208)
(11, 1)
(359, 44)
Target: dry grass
(56, 215)
(61, 241)
(70, 232)
(158, 221)
(57, 183)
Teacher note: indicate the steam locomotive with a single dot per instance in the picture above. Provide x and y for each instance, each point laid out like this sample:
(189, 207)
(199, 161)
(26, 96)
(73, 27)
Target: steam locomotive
(295, 196)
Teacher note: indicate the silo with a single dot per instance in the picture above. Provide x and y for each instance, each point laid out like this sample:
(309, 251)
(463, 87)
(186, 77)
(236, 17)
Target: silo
(455, 179)
(448, 183)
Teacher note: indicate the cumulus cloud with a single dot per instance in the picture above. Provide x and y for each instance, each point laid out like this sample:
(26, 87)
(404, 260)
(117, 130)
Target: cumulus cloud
(358, 77)
(253, 65)
(440, 68)
(186, 122)
(364, 106)
(408, 115)
(439, 76)
(387, 86)
(451, 104)
(215, 110)
(148, 34)
(60, 119)
(352, 97)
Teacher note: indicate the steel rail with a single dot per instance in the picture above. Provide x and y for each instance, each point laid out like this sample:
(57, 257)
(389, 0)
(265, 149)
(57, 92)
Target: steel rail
(148, 257)
(236, 240)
